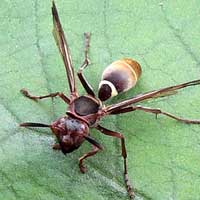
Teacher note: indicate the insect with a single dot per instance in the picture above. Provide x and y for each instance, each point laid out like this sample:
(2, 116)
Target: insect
(86, 111)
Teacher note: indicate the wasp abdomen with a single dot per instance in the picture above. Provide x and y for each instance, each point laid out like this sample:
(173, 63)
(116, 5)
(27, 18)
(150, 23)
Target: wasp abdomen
(119, 77)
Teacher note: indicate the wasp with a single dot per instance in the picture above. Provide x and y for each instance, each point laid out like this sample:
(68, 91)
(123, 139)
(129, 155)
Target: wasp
(85, 112)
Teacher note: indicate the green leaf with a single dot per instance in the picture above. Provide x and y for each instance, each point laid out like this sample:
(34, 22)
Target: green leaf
(163, 155)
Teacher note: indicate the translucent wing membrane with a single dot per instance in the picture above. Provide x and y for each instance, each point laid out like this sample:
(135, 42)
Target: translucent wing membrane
(153, 94)
(64, 49)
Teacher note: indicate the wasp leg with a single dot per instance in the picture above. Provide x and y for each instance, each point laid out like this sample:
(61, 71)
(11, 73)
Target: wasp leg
(26, 93)
(86, 62)
(96, 147)
(83, 168)
(124, 154)
(56, 146)
(155, 111)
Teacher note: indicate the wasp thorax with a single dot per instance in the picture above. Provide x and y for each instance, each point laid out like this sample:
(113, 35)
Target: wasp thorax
(119, 77)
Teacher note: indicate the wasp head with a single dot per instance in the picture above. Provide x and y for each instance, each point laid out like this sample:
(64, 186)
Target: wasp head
(70, 133)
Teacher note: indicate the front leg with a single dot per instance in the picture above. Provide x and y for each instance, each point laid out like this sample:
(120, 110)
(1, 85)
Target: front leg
(124, 154)
(26, 93)
(82, 167)
(96, 147)
(86, 62)
(56, 147)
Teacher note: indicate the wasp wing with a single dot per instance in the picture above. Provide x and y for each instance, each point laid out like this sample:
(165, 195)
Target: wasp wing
(63, 48)
(149, 95)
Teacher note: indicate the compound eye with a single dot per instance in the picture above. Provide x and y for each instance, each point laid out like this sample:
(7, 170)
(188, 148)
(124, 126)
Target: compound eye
(105, 92)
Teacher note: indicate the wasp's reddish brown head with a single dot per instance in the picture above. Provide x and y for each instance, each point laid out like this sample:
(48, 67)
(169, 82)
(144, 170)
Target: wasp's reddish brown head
(70, 133)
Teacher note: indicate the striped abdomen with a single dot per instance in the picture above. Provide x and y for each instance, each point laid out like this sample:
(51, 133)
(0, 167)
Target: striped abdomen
(119, 77)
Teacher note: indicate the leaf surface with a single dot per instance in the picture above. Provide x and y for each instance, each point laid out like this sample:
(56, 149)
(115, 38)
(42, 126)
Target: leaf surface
(163, 155)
